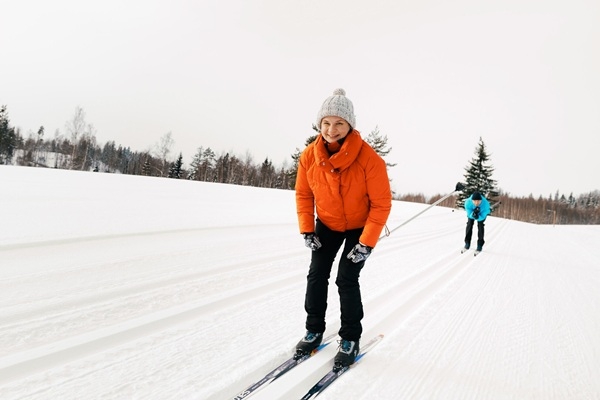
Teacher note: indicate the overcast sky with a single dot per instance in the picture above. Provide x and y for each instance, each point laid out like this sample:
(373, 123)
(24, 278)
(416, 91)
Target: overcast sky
(246, 76)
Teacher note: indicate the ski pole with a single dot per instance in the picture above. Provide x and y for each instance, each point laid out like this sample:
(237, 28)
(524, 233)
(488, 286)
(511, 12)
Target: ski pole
(458, 188)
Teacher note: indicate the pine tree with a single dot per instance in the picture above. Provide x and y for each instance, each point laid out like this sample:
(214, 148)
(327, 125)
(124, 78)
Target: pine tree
(379, 143)
(207, 166)
(146, 168)
(267, 174)
(176, 170)
(478, 176)
(8, 138)
(195, 165)
(296, 159)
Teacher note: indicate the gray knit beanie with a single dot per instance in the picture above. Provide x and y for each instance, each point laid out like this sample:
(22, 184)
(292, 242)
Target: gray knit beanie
(337, 105)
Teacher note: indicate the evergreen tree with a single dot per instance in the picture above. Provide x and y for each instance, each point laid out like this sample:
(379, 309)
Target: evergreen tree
(379, 143)
(296, 160)
(176, 170)
(222, 167)
(8, 138)
(478, 176)
(146, 171)
(207, 165)
(267, 174)
(196, 163)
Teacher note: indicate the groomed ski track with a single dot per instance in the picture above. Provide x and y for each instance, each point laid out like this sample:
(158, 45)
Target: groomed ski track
(384, 312)
(183, 306)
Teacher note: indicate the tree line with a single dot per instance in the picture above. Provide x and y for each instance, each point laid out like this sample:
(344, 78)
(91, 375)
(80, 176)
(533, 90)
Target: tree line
(78, 149)
(559, 209)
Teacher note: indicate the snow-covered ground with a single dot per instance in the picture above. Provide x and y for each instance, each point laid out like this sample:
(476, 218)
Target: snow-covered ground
(123, 287)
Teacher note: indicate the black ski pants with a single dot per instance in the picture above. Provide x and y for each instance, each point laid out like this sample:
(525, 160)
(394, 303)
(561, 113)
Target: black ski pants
(480, 232)
(348, 273)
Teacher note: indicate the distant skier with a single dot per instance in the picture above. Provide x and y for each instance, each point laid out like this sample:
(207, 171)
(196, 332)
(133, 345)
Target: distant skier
(346, 182)
(477, 208)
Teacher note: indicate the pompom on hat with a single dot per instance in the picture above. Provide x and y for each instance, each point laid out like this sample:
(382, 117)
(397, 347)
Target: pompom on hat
(337, 105)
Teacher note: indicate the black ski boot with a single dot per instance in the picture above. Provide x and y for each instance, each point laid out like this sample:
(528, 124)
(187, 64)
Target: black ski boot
(308, 343)
(346, 355)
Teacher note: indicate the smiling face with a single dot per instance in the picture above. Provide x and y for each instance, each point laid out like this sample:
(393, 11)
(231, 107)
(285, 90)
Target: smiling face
(334, 128)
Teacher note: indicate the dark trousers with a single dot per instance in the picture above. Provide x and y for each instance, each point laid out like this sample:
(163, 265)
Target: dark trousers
(480, 232)
(348, 273)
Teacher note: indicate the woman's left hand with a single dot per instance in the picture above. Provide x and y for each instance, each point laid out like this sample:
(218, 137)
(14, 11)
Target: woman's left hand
(359, 253)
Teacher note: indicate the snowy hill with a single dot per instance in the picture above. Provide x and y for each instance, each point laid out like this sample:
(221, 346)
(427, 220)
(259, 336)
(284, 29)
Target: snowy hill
(125, 287)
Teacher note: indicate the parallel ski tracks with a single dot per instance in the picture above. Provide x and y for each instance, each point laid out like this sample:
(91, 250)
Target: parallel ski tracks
(384, 312)
(55, 353)
(80, 323)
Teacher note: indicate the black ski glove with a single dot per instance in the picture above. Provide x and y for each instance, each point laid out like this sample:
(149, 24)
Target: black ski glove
(476, 213)
(359, 253)
(312, 241)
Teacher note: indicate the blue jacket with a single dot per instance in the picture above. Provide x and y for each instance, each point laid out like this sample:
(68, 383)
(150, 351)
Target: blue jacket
(484, 208)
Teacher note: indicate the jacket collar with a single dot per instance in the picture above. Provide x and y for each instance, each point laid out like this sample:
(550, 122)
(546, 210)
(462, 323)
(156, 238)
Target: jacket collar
(345, 156)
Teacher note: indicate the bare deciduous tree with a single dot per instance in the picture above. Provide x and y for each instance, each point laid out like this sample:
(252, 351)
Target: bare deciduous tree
(163, 148)
(75, 128)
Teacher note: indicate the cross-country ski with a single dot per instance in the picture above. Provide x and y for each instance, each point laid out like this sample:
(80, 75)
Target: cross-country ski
(336, 372)
(283, 368)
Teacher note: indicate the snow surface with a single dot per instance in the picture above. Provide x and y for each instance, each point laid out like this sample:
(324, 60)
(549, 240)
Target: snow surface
(126, 287)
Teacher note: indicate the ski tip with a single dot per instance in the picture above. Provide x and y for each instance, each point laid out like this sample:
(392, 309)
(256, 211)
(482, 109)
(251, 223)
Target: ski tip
(375, 339)
(379, 337)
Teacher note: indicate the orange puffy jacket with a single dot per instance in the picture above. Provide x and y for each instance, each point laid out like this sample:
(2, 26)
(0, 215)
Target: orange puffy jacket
(349, 189)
